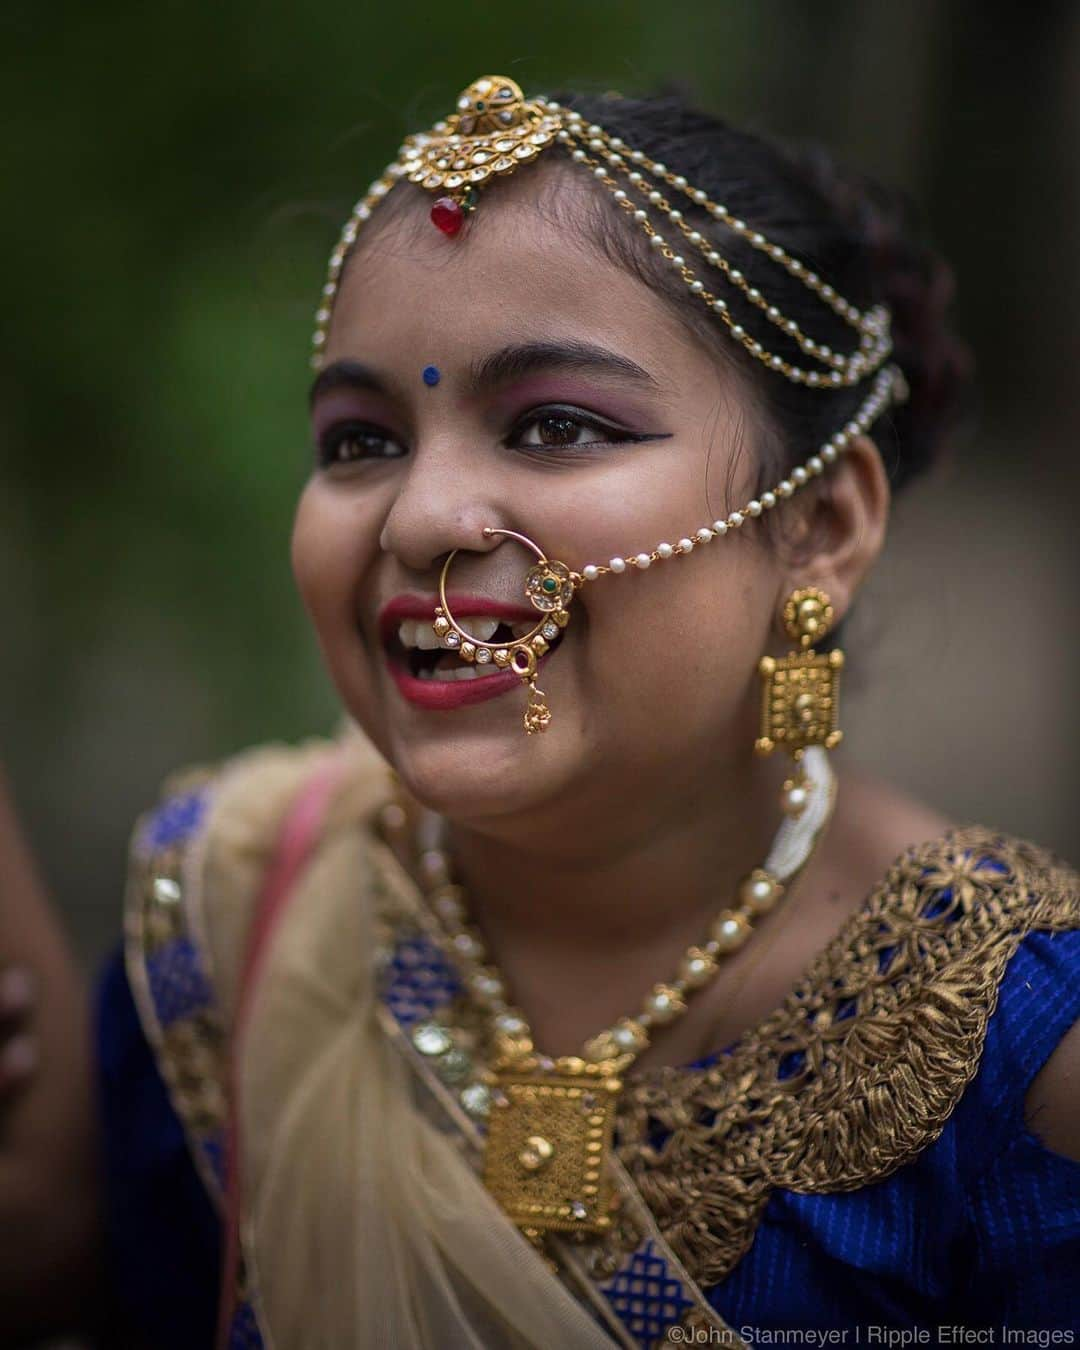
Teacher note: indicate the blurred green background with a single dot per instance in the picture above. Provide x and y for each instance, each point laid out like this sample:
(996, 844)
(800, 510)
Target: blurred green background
(175, 176)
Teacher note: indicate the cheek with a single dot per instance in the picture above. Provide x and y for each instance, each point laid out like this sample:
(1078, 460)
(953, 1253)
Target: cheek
(332, 547)
(684, 636)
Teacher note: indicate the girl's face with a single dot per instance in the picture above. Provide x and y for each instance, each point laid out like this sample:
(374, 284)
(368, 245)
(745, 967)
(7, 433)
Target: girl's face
(571, 406)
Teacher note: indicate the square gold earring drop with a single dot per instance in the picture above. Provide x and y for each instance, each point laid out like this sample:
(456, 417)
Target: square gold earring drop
(800, 692)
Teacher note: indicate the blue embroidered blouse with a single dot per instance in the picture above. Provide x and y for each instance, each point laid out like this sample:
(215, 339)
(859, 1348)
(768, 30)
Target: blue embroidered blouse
(980, 1229)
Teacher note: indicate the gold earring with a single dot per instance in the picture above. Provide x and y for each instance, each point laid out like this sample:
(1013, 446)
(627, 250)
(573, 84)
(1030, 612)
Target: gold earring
(801, 692)
(549, 587)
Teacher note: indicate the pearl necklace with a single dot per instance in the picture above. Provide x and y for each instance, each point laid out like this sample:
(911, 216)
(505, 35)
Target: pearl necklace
(552, 1120)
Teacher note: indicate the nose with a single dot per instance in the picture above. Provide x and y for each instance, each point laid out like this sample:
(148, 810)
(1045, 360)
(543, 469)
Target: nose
(443, 502)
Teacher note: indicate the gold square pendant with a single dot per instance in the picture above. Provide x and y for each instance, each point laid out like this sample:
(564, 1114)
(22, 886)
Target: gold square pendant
(799, 701)
(547, 1143)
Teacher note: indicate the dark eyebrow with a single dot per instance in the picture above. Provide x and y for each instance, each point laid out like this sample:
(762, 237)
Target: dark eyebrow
(346, 375)
(527, 358)
(511, 363)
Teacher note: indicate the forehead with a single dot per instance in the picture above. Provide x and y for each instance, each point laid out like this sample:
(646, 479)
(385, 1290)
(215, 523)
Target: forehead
(522, 263)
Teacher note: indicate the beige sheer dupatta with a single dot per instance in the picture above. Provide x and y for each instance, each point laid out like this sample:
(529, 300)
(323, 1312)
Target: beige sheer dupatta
(362, 1223)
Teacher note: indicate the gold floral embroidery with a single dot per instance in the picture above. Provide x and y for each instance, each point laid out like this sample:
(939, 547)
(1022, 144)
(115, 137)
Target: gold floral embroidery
(860, 1068)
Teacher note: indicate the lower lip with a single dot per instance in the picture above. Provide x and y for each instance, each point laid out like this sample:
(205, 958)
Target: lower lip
(443, 695)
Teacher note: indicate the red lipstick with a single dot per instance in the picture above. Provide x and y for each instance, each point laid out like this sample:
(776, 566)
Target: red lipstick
(444, 695)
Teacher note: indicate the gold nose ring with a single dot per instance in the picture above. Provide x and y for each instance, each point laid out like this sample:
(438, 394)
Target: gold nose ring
(549, 587)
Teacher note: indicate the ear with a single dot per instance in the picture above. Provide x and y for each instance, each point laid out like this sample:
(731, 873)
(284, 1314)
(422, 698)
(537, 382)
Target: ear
(841, 529)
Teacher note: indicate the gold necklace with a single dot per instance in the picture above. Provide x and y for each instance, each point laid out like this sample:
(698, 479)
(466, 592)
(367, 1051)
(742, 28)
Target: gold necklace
(551, 1122)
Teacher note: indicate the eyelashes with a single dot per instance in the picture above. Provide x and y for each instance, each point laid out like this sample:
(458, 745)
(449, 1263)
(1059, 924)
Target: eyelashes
(351, 442)
(544, 432)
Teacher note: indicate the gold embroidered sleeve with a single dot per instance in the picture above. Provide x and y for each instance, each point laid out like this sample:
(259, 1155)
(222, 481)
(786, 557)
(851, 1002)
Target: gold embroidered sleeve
(860, 1068)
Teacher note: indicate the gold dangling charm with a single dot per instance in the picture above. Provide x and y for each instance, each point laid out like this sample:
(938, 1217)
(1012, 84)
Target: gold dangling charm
(801, 692)
(549, 587)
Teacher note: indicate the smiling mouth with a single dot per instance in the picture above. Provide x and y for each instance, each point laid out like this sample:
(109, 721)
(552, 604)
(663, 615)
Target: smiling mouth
(415, 649)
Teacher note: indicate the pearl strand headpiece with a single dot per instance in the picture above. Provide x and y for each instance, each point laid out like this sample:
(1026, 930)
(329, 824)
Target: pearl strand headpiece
(496, 130)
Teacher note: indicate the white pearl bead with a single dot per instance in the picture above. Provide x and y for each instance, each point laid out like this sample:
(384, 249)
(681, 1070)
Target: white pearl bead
(686, 545)
(695, 237)
(697, 287)
(680, 182)
(795, 800)
(799, 475)
(657, 241)
(643, 560)
(675, 215)
(600, 172)
(700, 196)
(660, 168)
(665, 550)
(578, 155)
(634, 177)
(678, 260)
(735, 519)
(617, 564)
(815, 464)
(656, 197)
(640, 215)
(828, 453)
(719, 527)
(619, 195)
(731, 933)
(720, 306)
(785, 488)
(712, 257)
(768, 500)
(759, 892)
(754, 508)
(590, 572)
(704, 534)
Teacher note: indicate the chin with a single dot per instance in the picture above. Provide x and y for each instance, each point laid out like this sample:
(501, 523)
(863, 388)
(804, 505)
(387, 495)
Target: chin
(497, 772)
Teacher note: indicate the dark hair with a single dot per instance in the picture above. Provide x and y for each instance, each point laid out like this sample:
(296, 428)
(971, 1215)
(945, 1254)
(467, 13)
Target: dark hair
(861, 239)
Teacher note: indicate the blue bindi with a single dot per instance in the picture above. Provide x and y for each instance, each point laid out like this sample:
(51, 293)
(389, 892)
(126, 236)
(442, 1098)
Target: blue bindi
(432, 375)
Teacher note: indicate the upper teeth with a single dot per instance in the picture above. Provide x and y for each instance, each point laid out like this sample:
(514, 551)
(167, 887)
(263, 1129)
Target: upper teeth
(418, 633)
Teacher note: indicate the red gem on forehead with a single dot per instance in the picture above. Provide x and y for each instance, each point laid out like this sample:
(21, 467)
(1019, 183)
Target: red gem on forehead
(447, 215)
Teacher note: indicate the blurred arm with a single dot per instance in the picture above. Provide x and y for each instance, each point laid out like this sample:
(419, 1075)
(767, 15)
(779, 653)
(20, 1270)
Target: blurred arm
(49, 1170)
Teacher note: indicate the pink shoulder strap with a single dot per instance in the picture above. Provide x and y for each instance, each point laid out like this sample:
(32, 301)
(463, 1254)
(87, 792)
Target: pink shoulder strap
(296, 840)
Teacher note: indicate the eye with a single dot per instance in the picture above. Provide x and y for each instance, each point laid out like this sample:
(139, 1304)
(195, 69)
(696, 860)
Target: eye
(349, 442)
(564, 428)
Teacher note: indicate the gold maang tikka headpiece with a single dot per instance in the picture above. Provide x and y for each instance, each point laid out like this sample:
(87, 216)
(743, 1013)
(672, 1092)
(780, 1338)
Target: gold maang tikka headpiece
(496, 131)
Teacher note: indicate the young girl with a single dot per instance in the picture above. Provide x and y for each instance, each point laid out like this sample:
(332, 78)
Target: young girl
(579, 993)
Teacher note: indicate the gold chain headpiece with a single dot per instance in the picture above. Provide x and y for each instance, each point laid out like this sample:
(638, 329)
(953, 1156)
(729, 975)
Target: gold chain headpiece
(494, 132)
